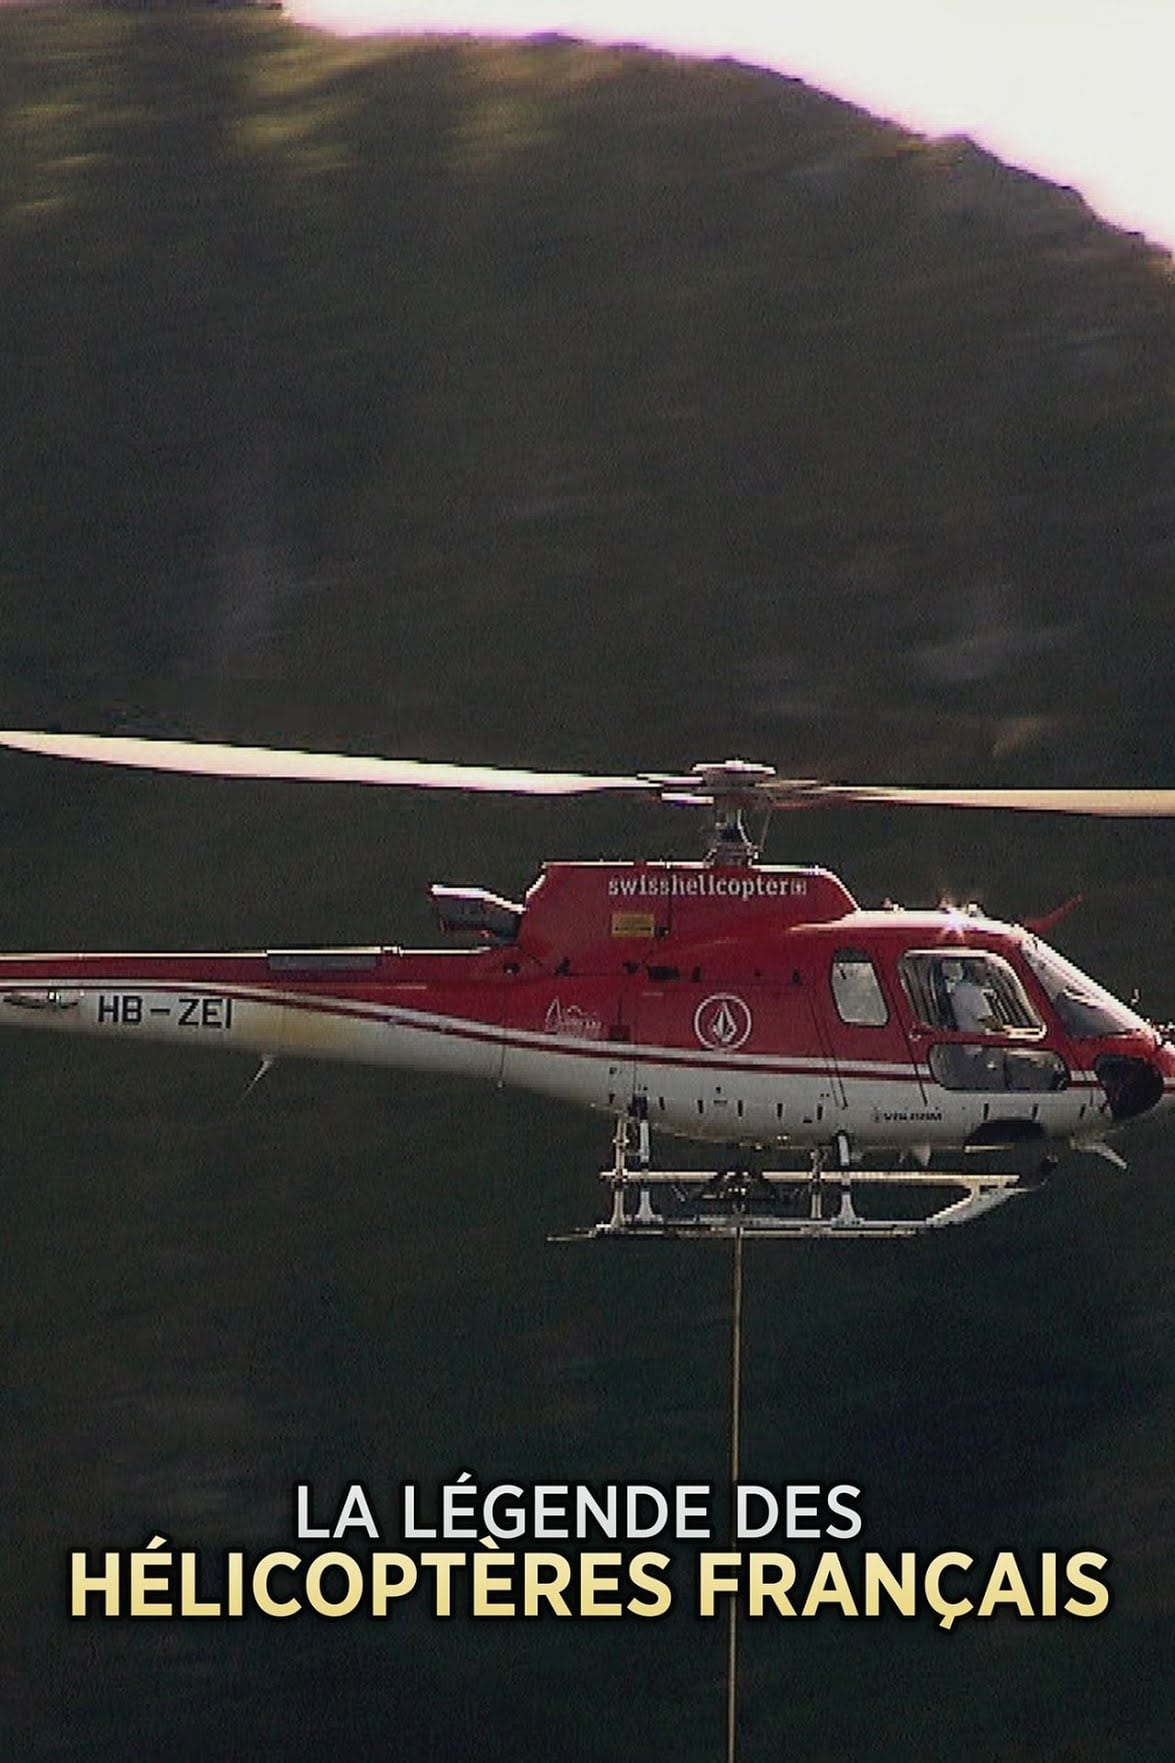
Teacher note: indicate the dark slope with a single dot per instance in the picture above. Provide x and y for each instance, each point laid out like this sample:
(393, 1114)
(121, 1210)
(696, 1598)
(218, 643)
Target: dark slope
(383, 372)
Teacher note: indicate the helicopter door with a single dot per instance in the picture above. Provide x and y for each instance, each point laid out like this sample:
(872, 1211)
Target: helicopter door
(983, 1040)
(867, 1049)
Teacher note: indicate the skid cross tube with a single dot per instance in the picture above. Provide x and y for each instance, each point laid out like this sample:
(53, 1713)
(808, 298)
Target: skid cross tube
(819, 1202)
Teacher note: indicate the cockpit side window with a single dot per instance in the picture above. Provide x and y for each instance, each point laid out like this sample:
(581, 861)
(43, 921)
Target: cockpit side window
(856, 990)
(967, 992)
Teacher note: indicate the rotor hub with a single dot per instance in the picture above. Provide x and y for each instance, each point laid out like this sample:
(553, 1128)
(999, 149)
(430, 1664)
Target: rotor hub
(732, 788)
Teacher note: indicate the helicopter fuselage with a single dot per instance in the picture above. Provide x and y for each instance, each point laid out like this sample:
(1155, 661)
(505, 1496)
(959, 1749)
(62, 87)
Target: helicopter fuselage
(748, 1004)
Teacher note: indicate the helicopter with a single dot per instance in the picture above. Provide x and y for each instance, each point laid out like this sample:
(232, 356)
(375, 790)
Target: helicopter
(888, 1055)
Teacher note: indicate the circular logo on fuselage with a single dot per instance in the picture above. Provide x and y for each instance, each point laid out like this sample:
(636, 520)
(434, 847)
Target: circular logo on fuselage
(722, 1022)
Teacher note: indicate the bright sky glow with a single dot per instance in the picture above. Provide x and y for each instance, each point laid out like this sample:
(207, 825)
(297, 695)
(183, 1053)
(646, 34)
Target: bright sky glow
(1080, 91)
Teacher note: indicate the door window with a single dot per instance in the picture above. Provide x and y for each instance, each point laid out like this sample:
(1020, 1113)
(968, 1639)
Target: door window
(856, 989)
(967, 992)
(984, 1065)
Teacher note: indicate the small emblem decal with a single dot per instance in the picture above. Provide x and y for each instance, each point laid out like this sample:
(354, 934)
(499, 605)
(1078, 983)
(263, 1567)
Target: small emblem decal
(570, 1020)
(722, 1022)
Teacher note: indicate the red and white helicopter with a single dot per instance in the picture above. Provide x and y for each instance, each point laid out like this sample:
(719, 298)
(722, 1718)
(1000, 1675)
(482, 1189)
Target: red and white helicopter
(753, 1006)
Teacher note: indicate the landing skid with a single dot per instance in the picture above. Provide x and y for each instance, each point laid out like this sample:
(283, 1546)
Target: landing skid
(817, 1202)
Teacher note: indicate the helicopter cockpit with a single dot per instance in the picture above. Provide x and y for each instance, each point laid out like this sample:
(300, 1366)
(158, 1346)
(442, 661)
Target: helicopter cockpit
(1087, 1011)
(967, 993)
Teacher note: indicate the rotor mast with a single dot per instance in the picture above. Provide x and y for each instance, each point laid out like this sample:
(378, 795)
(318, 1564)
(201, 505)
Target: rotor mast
(733, 789)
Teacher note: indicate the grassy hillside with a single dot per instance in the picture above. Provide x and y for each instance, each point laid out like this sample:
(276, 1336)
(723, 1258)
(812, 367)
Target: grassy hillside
(375, 376)
(574, 407)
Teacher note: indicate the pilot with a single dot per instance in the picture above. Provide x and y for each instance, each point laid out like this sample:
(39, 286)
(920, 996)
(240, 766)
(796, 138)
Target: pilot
(970, 1004)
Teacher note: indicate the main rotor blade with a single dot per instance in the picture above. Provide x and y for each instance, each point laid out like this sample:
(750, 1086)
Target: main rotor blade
(209, 759)
(744, 783)
(1120, 804)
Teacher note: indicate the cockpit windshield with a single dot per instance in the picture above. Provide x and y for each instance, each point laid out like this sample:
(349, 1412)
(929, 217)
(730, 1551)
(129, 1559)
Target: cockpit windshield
(1086, 1009)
